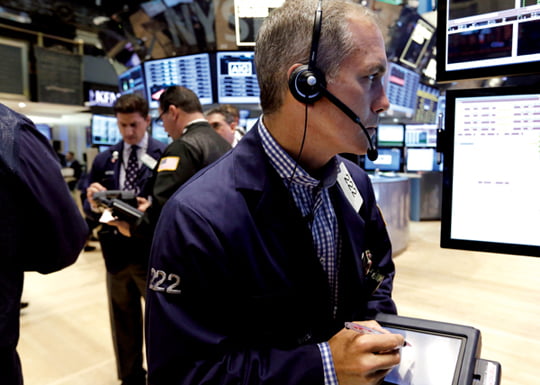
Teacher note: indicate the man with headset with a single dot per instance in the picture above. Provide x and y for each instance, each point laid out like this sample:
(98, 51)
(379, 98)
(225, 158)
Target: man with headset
(259, 260)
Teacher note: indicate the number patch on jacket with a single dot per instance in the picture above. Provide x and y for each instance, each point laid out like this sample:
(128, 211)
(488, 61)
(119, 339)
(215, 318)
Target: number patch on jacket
(162, 282)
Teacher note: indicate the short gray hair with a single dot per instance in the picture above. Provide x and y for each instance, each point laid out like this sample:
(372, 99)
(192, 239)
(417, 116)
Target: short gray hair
(285, 38)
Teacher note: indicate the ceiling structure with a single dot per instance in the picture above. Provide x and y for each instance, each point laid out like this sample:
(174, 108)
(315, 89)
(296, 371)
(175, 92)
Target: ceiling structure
(120, 30)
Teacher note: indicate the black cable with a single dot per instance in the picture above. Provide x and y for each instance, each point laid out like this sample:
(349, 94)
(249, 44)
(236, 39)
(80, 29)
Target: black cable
(301, 149)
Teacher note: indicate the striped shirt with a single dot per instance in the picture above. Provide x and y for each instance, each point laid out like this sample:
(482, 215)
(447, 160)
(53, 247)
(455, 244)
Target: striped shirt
(312, 198)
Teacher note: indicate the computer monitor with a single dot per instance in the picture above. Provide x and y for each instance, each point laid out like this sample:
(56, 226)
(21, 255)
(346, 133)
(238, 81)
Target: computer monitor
(481, 39)
(427, 102)
(104, 129)
(190, 71)
(420, 135)
(491, 184)
(132, 81)
(401, 86)
(45, 130)
(158, 132)
(440, 353)
(412, 40)
(236, 78)
(422, 159)
(389, 159)
(390, 135)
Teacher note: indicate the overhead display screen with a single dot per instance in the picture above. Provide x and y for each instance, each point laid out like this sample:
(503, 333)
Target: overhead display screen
(190, 71)
(236, 78)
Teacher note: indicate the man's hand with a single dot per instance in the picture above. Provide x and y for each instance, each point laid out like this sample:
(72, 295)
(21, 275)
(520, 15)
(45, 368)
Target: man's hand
(122, 226)
(364, 359)
(93, 188)
(143, 204)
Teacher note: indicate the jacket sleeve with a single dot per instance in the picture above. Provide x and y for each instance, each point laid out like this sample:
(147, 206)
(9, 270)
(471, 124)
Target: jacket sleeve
(193, 335)
(51, 231)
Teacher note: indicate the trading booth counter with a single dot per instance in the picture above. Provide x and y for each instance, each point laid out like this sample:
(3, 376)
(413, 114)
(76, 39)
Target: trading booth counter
(393, 197)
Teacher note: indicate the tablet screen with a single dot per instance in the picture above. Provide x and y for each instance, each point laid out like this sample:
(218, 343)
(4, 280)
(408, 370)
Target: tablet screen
(432, 359)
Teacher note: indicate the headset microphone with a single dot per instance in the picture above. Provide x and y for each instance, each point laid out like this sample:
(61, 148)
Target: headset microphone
(372, 152)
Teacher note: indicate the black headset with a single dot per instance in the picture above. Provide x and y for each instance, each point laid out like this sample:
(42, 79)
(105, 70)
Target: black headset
(307, 83)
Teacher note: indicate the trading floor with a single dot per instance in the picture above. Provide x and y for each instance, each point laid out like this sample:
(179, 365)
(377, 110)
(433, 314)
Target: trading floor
(65, 335)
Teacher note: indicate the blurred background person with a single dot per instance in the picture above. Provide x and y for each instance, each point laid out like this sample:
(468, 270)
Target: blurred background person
(127, 166)
(76, 166)
(224, 120)
(195, 145)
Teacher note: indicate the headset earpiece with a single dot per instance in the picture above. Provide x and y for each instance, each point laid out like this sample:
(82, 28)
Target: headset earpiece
(305, 84)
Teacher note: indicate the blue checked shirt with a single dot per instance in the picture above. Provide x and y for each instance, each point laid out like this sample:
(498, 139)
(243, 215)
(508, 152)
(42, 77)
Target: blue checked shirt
(312, 198)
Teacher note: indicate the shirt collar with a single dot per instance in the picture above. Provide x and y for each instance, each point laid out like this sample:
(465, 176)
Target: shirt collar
(286, 166)
(142, 144)
(187, 126)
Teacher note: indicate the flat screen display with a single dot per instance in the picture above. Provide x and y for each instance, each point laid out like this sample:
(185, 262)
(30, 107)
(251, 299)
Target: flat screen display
(439, 353)
(491, 183)
(389, 159)
(427, 104)
(236, 78)
(401, 86)
(389, 135)
(132, 81)
(480, 39)
(421, 135)
(159, 133)
(422, 159)
(431, 359)
(105, 130)
(190, 71)
(45, 130)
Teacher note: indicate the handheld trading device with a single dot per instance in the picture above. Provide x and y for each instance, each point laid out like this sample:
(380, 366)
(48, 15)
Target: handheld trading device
(441, 354)
(123, 204)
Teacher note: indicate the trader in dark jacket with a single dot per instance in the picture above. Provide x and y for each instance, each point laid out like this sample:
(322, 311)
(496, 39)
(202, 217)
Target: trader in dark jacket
(260, 259)
(41, 228)
(195, 145)
(126, 258)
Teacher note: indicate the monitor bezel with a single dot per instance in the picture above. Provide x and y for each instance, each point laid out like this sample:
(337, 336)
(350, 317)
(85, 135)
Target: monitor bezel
(446, 240)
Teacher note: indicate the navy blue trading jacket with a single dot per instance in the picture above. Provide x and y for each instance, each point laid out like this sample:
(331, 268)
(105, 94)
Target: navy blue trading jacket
(41, 227)
(236, 292)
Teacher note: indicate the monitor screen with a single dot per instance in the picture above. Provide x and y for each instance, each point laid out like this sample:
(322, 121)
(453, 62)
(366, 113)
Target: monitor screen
(236, 78)
(190, 71)
(389, 159)
(248, 18)
(412, 40)
(492, 160)
(421, 135)
(427, 103)
(105, 130)
(480, 39)
(401, 86)
(159, 133)
(390, 135)
(45, 130)
(439, 353)
(422, 159)
(132, 81)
